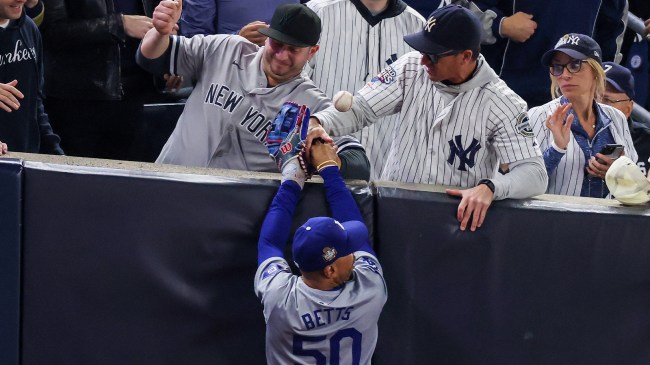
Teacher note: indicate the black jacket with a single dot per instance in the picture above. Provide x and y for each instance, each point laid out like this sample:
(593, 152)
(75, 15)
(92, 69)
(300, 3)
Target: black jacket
(21, 58)
(82, 41)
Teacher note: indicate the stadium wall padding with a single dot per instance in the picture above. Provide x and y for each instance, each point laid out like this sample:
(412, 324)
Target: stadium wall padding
(133, 269)
(539, 283)
(10, 238)
(128, 266)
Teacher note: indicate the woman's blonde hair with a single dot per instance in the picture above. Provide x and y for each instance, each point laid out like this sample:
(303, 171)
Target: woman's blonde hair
(599, 80)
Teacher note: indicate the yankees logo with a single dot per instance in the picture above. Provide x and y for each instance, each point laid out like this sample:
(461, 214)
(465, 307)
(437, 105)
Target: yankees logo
(430, 23)
(466, 156)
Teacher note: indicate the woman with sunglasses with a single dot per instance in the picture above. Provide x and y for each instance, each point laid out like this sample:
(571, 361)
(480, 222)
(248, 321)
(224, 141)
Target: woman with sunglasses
(573, 128)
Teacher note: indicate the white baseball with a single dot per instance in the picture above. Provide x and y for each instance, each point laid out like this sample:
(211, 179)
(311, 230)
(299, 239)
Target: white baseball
(343, 101)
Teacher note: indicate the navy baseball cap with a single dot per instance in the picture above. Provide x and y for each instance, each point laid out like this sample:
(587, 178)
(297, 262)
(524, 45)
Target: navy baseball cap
(620, 78)
(322, 240)
(577, 46)
(450, 28)
(294, 24)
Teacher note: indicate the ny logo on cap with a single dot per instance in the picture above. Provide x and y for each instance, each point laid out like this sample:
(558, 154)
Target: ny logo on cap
(430, 23)
(329, 253)
(567, 38)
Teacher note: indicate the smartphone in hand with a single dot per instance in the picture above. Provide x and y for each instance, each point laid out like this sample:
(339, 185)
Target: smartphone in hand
(612, 151)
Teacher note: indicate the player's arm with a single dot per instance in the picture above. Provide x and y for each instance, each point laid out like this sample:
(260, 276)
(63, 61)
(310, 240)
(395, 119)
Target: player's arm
(277, 223)
(610, 28)
(340, 200)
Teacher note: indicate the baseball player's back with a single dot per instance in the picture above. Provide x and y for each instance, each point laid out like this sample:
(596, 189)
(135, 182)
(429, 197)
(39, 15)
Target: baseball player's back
(311, 326)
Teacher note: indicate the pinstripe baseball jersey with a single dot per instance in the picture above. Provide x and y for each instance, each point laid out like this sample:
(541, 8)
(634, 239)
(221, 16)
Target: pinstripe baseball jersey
(225, 119)
(448, 134)
(567, 178)
(354, 46)
(310, 326)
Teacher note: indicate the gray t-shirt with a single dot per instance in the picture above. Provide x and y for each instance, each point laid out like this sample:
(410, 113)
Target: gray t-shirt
(304, 325)
(225, 120)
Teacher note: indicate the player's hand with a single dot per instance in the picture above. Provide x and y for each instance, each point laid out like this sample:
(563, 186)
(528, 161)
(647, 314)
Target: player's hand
(323, 152)
(172, 82)
(250, 32)
(3, 148)
(31, 3)
(474, 204)
(136, 26)
(518, 27)
(315, 131)
(555, 123)
(166, 15)
(647, 27)
(9, 96)
(599, 165)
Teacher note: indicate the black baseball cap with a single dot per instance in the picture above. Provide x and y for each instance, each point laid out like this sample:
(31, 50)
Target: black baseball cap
(620, 78)
(576, 45)
(294, 24)
(450, 28)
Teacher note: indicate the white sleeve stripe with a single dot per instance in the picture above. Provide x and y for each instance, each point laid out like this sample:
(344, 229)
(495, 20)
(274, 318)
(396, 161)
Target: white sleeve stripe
(173, 68)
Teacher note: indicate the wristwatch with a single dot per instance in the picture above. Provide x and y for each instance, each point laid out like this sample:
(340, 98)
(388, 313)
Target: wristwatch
(488, 183)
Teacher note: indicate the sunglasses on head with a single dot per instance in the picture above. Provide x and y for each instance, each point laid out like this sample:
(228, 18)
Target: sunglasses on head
(573, 67)
(436, 57)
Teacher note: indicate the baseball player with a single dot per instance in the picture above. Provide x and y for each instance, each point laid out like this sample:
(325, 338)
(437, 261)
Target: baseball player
(358, 40)
(239, 87)
(458, 121)
(329, 314)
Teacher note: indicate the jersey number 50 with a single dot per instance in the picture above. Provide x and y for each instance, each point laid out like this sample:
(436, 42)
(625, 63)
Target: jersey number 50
(334, 346)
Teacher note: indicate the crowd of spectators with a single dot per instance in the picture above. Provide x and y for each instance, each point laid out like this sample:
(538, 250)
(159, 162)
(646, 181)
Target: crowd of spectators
(69, 80)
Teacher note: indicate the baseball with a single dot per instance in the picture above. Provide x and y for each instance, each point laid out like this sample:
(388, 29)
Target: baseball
(343, 101)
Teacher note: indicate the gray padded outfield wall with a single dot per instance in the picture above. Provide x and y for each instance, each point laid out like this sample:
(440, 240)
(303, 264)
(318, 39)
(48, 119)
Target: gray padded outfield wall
(127, 267)
(147, 264)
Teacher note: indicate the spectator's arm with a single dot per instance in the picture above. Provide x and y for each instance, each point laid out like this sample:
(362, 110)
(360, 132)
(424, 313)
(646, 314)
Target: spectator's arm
(610, 28)
(35, 10)
(491, 5)
(526, 178)
(49, 140)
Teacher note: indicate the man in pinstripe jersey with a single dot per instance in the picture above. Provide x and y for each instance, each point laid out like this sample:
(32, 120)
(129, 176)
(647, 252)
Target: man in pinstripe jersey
(359, 38)
(458, 121)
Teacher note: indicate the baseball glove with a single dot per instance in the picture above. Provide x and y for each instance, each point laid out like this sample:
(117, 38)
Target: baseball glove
(287, 134)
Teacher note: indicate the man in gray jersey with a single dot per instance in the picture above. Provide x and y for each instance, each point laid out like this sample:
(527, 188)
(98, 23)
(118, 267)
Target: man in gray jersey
(329, 314)
(359, 39)
(458, 121)
(239, 89)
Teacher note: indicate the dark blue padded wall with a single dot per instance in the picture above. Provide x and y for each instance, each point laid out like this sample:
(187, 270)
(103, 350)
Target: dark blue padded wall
(10, 235)
(540, 283)
(133, 270)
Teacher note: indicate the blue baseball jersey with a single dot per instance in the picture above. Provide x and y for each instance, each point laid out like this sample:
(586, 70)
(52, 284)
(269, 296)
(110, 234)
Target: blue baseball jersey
(311, 326)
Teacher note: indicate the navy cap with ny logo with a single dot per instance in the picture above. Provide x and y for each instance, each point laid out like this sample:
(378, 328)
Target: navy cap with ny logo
(450, 28)
(577, 46)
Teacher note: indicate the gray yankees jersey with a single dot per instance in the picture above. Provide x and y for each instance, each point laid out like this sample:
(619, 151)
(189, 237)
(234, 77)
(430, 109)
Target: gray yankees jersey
(355, 46)
(568, 177)
(225, 120)
(310, 326)
(449, 134)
